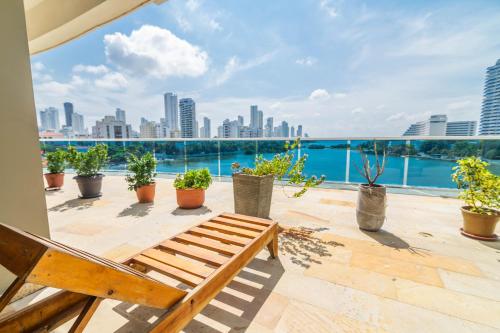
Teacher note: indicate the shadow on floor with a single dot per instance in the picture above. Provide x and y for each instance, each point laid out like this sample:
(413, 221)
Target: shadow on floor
(197, 211)
(303, 247)
(76, 203)
(229, 310)
(494, 245)
(137, 210)
(387, 238)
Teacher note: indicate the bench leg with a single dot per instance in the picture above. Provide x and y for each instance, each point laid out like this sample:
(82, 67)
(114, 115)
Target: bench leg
(273, 245)
(84, 317)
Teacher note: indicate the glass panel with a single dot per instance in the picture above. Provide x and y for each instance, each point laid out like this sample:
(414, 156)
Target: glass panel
(241, 151)
(117, 155)
(490, 152)
(170, 156)
(203, 154)
(325, 157)
(394, 165)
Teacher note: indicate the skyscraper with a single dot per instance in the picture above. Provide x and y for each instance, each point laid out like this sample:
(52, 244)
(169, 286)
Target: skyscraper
(49, 119)
(68, 112)
(205, 130)
(241, 120)
(292, 132)
(254, 116)
(268, 132)
(171, 111)
(285, 131)
(187, 112)
(78, 123)
(299, 131)
(120, 115)
(490, 112)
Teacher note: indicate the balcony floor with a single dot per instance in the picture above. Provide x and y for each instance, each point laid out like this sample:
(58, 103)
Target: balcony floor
(417, 275)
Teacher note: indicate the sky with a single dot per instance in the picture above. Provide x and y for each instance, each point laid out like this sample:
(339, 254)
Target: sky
(339, 68)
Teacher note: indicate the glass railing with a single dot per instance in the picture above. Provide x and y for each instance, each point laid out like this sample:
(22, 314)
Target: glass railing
(410, 161)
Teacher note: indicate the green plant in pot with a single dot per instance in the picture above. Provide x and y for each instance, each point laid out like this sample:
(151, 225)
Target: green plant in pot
(56, 163)
(141, 176)
(87, 166)
(481, 194)
(372, 197)
(190, 188)
(253, 187)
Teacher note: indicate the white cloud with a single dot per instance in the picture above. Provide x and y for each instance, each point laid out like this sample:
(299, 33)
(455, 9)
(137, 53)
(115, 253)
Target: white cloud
(193, 5)
(319, 95)
(214, 25)
(37, 66)
(54, 88)
(112, 81)
(339, 95)
(100, 69)
(328, 8)
(307, 61)
(396, 116)
(357, 110)
(234, 65)
(380, 107)
(458, 105)
(154, 51)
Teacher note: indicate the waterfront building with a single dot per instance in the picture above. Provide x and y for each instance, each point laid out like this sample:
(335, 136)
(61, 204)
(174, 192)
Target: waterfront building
(434, 126)
(49, 119)
(68, 112)
(78, 124)
(254, 116)
(490, 112)
(461, 128)
(241, 121)
(120, 115)
(187, 112)
(111, 128)
(268, 131)
(171, 111)
(299, 131)
(230, 129)
(285, 131)
(205, 129)
(292, 132)
(150, 129)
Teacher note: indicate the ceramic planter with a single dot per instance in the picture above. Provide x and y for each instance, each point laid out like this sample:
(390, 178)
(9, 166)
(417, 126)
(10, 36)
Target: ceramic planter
(480, 226)
(190, 198)
(370, 207)
(90, 186)
(54, 180)
(146, 193)
(253, 194)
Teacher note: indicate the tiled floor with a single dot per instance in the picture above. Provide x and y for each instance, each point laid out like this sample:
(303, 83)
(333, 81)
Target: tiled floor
(417, 275)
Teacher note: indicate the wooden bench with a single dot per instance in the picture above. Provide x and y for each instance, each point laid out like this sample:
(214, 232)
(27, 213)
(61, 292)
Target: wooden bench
(206, 258)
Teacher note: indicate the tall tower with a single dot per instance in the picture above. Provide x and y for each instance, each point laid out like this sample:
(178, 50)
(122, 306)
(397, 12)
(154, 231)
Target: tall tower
(171, 111)
(269, 127)
(120, 115)
(187, 112)
(68, 113)
(254, 116)
(299, 131)
(206, 128)
(490, 113)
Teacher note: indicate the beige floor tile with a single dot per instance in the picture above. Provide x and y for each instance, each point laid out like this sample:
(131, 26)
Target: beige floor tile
(272, 310)
(472, 285)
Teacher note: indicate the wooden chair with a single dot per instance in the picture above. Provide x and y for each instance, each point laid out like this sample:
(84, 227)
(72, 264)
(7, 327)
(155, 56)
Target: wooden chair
(218, 249)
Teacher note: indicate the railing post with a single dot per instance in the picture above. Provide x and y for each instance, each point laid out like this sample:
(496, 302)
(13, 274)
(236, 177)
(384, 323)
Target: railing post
(185, 158)
(407, 161)
(348, 161)
(218, 158)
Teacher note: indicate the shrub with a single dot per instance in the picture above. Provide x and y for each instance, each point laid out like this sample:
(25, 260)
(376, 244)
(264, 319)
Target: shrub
(283, 167)
(480, 188)
(142, 171)
(367, 170)
(193, 179)
(56, 161)
(87, 164)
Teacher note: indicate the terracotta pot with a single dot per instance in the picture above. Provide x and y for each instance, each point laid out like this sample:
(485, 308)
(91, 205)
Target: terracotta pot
(190, 198)
(54, 179)
(481, 225)
(253, 194)
(146, 193)
(370, 208)
(90, 186)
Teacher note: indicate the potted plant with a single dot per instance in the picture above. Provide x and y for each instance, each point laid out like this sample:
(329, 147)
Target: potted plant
(481, 193)
(253, 187)
(371, 204)
(190, 188)
(141, 177)
(56, 163)
(87, 166)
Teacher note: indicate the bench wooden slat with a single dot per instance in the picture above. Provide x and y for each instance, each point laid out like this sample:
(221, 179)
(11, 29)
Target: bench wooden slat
(229, 230)
(184, 277)
(249, 219)
(209, 244)
(196, 253)
(231, 239)
(182, 264)
(238, 224)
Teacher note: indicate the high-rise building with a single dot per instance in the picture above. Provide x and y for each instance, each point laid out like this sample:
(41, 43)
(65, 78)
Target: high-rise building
(120, 115)
(78, 123)
(461, 128)
(68, 112)
(292, 132)
(111, 128)
(260, 120)
(49, 119)
(490, 112)
(299, 131)
(150, 129)
(171, 111)
(285, 131)
(254, 116)
(268, 130)
(434, 126)
(205, 129)
(241, 120)
(187, 112)
(230, 129)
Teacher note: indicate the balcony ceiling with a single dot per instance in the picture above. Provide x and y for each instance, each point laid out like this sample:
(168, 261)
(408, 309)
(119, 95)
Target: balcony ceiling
(51, 23)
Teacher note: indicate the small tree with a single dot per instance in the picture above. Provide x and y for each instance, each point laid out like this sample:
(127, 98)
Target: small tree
(56, 161)
(480, 188)
(193, 179)
(367, 170)
(88, 164)
(142, 171)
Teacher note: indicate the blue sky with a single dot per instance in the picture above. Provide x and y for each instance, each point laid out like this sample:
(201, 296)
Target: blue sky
(339, 68)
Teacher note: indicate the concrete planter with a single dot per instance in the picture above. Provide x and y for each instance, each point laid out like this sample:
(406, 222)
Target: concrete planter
(370, 208)
(54, 180)
(190, 198)
(146, 193)
(253, 194)
(480, 226)
(90, 187)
